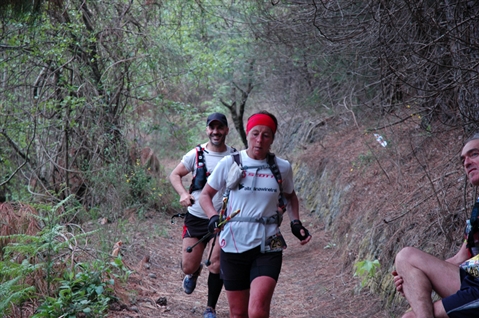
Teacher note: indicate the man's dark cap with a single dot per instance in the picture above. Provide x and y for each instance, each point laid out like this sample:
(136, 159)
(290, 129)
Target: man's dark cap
(218, 117)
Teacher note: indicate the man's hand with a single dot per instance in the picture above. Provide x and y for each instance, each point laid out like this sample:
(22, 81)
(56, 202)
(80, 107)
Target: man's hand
(398, 281)
(300, 232)
(187, 200)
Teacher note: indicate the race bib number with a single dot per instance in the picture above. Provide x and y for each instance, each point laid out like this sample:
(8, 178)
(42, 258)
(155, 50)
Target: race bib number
(275, 243)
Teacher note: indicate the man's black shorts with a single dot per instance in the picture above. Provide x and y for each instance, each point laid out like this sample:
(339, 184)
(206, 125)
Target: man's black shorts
(239, 269)
(195, 227)
(464, 303)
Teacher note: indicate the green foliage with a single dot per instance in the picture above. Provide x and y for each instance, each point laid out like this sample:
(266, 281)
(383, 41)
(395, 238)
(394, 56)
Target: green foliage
(12, 291)
(47, 271)
(366, 269)
(139, 182)
(121, 187)
(83, 290)
(148, 190)
(122, 272)
(363, 161)
(20, 10)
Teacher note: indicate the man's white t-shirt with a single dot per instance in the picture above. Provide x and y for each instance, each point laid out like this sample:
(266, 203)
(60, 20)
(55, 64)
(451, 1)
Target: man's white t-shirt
(256, 196)
(211, 160)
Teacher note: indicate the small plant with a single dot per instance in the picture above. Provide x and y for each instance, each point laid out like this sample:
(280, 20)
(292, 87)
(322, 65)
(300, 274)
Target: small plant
(330, 245)
(122, 272)
(12, 292)
(147, 191)
(84, 290)
(366, 269)
(366, 159)
(140, 183)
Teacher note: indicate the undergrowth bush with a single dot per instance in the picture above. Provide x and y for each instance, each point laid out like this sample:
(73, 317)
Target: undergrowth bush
(87, 289)
(56, 268)
(117, 188)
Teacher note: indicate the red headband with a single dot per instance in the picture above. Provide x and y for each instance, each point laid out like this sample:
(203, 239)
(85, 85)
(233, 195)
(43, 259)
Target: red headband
(260, 119)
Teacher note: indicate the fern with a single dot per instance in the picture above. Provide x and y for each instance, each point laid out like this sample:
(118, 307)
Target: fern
(42, 260)
(11, 292)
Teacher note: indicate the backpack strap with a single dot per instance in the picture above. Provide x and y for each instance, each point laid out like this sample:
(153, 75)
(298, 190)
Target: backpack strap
(199, 179)
(271, 164)
(200, 156)
(277, 175)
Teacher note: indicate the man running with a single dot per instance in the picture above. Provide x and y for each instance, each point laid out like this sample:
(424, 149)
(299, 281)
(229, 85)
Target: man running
(196, 222)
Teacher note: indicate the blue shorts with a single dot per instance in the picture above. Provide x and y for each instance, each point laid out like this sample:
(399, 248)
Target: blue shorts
(239, 269)
(464, 303)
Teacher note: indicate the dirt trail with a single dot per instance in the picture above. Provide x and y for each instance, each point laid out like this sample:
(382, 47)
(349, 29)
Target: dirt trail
(312, 283)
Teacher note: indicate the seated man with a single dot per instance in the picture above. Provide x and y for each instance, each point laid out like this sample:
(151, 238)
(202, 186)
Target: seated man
(455, 279)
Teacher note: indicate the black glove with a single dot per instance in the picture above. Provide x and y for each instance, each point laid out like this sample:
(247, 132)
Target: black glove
(296, 228)
(213, 224)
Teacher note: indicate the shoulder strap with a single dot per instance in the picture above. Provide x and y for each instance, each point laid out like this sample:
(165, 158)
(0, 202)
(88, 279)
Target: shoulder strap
(237, 158)
(200, 157)
(199, 178)
(271, 161)
(277, 175)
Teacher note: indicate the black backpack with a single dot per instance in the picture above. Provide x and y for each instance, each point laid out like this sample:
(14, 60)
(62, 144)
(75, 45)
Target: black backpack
(199, 179)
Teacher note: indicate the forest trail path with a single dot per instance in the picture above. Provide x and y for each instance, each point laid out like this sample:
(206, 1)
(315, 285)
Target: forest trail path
(312, 283)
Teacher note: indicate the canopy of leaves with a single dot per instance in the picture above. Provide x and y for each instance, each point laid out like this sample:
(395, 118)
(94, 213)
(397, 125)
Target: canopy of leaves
(85, 82)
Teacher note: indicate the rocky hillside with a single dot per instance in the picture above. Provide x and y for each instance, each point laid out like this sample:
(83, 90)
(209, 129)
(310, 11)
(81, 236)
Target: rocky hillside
(376, 198)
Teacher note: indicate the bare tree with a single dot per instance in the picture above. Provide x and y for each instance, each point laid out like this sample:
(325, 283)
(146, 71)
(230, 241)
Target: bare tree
(65, 89)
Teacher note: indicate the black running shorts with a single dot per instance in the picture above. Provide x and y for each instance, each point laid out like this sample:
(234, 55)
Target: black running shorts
(464, 303)
(195, 227)
(239, 269)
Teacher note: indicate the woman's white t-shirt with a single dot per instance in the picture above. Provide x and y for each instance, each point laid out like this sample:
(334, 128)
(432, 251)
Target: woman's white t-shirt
(256, 196)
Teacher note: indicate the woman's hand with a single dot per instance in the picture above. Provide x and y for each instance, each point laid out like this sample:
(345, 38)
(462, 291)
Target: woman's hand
(213, 225)
(300, 232)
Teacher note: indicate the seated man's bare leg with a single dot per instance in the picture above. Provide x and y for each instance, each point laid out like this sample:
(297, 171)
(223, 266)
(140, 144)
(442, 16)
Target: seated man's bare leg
(422, 273)
(439, 311)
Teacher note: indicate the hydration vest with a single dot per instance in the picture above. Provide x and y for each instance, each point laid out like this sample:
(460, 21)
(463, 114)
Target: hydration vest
(276, 242)
(199, 179)
(271, 164)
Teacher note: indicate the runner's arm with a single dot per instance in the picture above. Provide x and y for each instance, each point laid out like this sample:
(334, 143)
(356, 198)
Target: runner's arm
(293, 213)
(293, 202)
(206, 200)
(186, 199)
